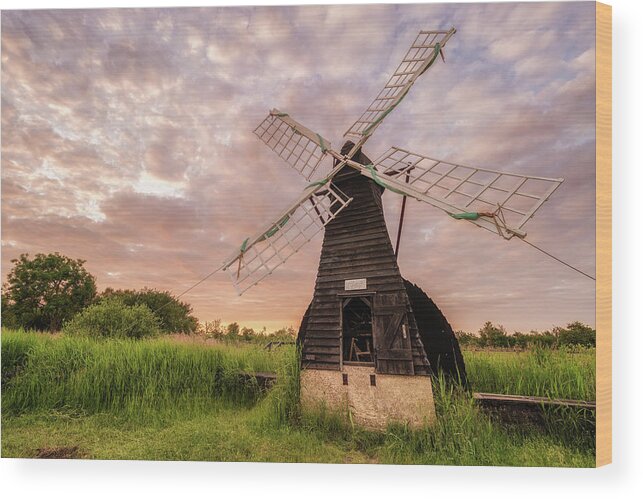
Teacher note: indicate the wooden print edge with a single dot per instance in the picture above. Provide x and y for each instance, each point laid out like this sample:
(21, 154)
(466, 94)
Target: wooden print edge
(603, 234)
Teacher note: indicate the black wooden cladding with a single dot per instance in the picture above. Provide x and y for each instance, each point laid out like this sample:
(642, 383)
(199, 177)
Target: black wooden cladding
(410, 334)
(357, 246)
(438, 338)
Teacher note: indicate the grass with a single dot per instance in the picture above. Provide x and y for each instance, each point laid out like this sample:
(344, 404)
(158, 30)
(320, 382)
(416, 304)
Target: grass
(137, 378)
(158, 399)
(564, 373)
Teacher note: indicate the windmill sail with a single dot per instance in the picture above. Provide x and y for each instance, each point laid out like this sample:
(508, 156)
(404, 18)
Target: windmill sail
(260, 255)
(498, 201)
(423, 52)
(299, 146)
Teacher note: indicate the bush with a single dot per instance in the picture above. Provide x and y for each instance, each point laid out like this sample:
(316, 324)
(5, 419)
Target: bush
(114, 319)
(174, 316)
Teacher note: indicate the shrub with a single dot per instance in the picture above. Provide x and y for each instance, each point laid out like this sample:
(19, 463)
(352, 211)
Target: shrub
(114, 319)
(174, 316)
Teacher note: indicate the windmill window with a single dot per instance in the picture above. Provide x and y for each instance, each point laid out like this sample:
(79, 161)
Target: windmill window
(357, 330)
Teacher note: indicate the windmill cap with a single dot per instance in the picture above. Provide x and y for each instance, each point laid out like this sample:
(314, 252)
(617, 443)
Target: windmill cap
(346, 148)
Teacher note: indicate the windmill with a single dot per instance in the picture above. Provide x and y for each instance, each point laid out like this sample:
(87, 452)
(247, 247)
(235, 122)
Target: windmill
(370, 338)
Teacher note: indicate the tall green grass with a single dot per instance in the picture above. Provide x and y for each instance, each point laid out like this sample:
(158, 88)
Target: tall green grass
(128, 391)
(565, 374)
(132, 378)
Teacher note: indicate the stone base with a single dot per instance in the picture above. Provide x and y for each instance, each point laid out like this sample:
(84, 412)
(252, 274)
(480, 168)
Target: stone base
(394, 398)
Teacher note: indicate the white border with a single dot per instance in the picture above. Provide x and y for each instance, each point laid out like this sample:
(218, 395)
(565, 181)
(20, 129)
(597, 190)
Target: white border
(117, 479)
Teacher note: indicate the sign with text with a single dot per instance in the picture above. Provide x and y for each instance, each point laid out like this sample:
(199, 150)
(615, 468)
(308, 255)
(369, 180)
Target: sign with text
(354, 284)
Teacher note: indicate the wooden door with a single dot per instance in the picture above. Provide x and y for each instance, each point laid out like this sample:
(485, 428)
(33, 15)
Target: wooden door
(391, 335)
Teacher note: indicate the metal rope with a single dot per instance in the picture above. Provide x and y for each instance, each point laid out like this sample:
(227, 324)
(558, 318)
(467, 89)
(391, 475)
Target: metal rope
(499, 220)
(192, 287)
(558, 259)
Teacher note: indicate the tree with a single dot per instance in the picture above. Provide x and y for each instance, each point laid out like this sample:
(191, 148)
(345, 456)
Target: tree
(9, 319)
(247, 333)
(576, 333)
(466, 339)
(232, 331)
(493, 336)
(285, 334)
(174, 316)
(43, 292)
(211, 329)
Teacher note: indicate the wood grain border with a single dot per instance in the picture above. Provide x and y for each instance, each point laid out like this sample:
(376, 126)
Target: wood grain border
(603, 234)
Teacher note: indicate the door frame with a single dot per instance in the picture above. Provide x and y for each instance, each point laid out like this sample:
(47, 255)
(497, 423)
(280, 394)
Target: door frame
(341, 297)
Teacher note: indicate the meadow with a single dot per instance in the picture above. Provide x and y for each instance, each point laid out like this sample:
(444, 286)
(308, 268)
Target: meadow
(163, 399)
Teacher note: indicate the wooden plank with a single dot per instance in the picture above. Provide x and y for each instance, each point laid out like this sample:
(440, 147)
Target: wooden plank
(330, 290)
(603, 234)
(392, 330)
(322, 350)
(376, 278)
(321, 365)
(362, 235)
(522, 410)
(378, 260)
(497, 399)
(332, 268)
(335, 257)
(321, 318)
(340, 236)
(321, 357)
(350, 249)
(314, 326)
(395, 367)
(395, 354)
(321, 334)
(313, 344)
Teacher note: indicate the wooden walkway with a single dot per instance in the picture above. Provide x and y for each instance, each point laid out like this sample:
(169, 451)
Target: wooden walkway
(497, 400)
(524, 410)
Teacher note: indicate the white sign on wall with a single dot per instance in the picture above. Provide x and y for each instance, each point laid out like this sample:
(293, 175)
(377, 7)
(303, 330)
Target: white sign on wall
(353, 284)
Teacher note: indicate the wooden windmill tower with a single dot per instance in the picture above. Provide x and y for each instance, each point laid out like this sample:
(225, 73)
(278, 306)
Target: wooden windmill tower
(370, 338)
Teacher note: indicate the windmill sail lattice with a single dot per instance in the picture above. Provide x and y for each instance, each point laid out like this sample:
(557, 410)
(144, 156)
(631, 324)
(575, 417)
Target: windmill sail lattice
(464, 189)
(259, 256)
(299, 146)
(420, 56)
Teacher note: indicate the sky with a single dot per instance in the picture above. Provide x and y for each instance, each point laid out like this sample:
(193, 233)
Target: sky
(127, 142)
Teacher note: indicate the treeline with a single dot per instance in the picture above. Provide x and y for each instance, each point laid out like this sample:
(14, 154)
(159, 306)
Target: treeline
(234, 332)
(56, 293)
(575, 334)
(53, 292)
